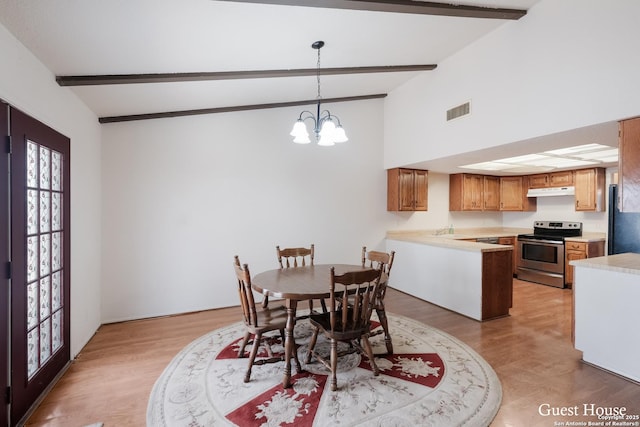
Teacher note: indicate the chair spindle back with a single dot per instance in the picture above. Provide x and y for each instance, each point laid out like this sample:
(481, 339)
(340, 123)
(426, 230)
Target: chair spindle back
(294, 257)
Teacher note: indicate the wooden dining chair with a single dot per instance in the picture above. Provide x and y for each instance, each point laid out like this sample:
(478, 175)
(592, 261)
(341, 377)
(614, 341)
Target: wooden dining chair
(258, 322)
(382, 261)
(351, 302)
(293, 258)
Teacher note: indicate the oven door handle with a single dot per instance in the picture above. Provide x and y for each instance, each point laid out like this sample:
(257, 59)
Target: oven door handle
(552, 242)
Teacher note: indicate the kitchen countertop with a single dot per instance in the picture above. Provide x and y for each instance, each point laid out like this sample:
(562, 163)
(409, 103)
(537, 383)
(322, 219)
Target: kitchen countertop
(623, 263)
(588, 238)
(457, 239)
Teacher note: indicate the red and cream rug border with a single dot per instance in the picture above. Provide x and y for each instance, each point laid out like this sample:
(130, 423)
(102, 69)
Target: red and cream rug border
(432, 379)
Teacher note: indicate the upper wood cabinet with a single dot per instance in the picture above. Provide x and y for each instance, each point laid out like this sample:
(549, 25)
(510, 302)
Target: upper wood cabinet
(466, 192)
(590, 185)
(491, 196)
(471, 192)
(629, 165)
(553, 179)
(407, 189)
(513, 194)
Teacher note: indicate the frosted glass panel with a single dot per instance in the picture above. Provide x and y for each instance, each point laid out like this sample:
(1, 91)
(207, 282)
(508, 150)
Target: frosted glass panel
(32, 211)
(56, 171)
(32, 164)
(33, 352)
(56, 290)
(45, 248)
(32, 305)
(32, 258)
(45, 260)
(45, 165)
(56, 331)
(45, 341)
(56, 211)
(45, 295)
(45, 210)
(56, 253)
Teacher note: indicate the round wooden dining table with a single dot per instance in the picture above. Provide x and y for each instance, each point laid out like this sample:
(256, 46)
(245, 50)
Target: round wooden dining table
(293, 285)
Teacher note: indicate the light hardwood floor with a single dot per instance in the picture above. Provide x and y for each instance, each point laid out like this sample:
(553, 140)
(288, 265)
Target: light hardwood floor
(530, 350)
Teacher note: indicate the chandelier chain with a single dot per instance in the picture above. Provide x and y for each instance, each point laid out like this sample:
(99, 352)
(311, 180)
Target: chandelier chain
(318, 75)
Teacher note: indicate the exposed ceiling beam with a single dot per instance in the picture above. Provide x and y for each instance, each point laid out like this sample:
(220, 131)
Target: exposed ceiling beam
(164, 115)
(403, 6)
(119, 79)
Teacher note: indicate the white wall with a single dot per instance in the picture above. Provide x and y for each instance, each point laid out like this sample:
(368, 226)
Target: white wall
(565, 65)
(182, 196)
(27, 85)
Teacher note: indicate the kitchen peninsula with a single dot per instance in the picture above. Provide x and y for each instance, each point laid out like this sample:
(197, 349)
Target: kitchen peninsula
(455, 271)
(606, 296)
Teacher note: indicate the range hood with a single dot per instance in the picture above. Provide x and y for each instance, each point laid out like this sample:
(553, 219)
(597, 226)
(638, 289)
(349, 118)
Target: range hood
(551, 191)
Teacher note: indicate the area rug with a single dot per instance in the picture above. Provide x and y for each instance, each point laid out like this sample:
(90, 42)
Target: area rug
(432, 379)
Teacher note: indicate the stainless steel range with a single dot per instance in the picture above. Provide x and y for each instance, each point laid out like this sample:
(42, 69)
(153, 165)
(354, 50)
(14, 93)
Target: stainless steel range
(541, 254)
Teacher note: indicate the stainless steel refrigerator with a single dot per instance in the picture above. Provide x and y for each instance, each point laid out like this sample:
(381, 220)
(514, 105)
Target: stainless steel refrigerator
(624, 227)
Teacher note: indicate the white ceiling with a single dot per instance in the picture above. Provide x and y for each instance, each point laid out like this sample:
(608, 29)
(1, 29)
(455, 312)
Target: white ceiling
(93, 37)
(98, 37)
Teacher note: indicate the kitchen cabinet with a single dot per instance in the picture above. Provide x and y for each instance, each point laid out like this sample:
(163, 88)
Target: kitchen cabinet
(491, 196)
(629, 165)
(553, 179)
(471, 192)
(407, 189)
(589, 184)
(511, 240)
(579, 250)
(513, 194)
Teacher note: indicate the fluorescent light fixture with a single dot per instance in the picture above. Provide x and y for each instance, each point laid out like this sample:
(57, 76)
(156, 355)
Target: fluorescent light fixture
(489, 166)
(599, 155)
(560, 162)
(570, 157)
(526, 159)
(577, 149)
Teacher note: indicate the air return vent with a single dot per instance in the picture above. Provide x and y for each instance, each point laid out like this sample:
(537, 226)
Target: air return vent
(459, 111)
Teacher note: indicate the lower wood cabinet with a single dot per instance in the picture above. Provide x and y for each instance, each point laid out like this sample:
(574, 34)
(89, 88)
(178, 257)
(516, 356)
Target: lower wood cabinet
(513, 242)
(579, 250)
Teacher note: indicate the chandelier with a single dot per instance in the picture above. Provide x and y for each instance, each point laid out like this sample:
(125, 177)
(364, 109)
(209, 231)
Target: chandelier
(326, 126)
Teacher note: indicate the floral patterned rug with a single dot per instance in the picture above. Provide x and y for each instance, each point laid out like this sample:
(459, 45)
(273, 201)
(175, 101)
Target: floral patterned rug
(432, 379)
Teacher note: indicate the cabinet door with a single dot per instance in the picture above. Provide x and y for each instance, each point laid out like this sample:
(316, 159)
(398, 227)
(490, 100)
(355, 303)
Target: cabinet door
(561, 179)
(568, 269)
(472, 192)
(629, 166)
(511, 196)
(420, 186)
(510, 241)
(491, 196)
(539, 181)
(589, 189)
(407, 189)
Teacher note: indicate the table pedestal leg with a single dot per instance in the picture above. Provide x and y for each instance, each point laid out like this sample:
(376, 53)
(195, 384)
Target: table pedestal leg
(289, 342)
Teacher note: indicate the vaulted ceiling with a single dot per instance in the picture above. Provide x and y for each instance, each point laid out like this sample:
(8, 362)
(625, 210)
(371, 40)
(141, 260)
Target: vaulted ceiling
(138, 59)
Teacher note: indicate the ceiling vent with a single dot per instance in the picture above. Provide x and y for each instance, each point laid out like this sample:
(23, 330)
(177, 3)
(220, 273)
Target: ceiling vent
(459, 111)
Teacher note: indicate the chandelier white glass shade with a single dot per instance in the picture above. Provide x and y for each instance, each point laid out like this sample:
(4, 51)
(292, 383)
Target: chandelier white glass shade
(326, 126)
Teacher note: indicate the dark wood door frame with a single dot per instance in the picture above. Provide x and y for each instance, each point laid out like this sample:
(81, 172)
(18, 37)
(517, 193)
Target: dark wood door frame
(4, 260)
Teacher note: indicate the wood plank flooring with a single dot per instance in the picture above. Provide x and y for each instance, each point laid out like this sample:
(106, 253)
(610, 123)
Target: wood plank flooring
(530, 350)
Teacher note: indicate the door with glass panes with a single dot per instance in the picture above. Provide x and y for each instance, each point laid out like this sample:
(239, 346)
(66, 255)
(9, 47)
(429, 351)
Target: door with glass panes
(40, 256)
